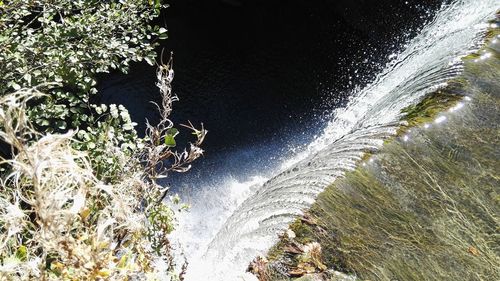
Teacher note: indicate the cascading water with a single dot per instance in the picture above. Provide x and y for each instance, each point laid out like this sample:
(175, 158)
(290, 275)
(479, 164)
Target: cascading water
(232, 223)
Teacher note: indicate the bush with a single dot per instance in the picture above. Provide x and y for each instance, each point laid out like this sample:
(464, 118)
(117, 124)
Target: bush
(68, 42)
(79, 196)
(58, 220)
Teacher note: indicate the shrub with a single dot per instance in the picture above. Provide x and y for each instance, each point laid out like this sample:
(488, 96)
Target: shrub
(79, 195)
(68, 42)
(58, 220)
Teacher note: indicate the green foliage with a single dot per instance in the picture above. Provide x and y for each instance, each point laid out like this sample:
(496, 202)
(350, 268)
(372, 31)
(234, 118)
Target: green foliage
(59, 47)
(62, 45)
(58, 221)
(170, 137)
(79, 196)
(114, 130)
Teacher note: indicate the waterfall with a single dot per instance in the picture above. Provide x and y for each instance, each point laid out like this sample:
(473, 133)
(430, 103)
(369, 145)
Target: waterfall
(231, 223)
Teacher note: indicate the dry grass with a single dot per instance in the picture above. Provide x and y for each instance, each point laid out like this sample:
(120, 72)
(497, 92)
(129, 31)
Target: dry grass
(58, 221)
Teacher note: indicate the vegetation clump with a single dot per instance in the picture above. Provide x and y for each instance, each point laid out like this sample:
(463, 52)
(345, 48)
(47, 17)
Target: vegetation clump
(79, 198)
(60, 46)
(432, 105)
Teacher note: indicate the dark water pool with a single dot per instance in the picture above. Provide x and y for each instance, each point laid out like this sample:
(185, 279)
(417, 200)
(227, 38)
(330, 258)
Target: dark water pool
(263, 75)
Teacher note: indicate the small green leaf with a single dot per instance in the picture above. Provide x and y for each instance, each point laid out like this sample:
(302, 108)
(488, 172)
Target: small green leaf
(22, 253)
(123, 261)
(149, 60)
(176, 199)
(173, 132)
(45, 122)
(16, 86)
(157, 4)
(170, 140)
(61, 125)
(27, 77)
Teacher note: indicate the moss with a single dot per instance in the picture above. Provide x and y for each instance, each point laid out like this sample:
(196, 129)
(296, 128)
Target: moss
(492, 33)
(431, 219)
(366, 156)
(302, 231)
(276, 252)
(433, 104)
(471, 56)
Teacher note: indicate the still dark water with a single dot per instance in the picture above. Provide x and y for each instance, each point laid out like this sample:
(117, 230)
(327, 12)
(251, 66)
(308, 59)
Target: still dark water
(264, 75)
